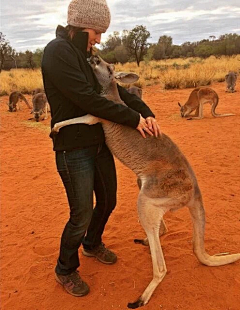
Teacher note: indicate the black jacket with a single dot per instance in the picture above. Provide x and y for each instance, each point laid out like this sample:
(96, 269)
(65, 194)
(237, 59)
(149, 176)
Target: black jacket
(72, 90)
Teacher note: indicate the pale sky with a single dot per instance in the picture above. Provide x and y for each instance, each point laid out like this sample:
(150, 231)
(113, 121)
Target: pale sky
(31, 25)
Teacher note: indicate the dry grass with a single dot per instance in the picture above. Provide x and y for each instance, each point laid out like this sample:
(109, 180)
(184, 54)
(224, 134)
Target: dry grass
(38, 125)
(182, 73)
(171, 73)
(23, 80)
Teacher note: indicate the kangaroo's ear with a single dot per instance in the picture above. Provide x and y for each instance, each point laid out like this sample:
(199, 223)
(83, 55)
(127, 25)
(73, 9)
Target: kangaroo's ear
(125, 77)
(179, 104)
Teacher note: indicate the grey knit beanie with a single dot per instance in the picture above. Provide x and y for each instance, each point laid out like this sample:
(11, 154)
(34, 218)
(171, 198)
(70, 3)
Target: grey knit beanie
(93, 14)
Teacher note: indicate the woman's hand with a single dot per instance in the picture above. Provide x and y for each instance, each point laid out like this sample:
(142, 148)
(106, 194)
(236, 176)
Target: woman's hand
(153, 126)
(143, 127)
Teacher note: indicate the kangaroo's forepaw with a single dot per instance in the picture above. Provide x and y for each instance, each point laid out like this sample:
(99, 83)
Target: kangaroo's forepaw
(55, 130)
(142, 241)
(136, 304)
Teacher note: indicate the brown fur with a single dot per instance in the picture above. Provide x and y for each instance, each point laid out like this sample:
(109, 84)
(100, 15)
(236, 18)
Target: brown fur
(135, 90)
(14, 99)
(40, 106)
(231, 79)
(197, 98)
(165, 178)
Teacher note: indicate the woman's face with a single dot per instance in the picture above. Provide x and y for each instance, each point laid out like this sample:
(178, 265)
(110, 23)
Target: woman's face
(94, 37)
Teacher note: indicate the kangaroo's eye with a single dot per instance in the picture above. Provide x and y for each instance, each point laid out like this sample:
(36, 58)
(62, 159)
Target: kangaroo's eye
(98, 61)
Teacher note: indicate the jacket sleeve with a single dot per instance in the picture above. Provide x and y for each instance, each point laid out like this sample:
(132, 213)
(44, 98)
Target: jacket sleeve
(61, 64)
(134, 102)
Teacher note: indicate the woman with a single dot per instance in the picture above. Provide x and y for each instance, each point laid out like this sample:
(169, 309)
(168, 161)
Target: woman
(83, 160)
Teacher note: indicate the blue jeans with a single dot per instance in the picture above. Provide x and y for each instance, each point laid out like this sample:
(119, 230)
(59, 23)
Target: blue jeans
(83, 172)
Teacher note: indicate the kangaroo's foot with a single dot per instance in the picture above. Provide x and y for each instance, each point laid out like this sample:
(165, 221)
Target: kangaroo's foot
(162, 231)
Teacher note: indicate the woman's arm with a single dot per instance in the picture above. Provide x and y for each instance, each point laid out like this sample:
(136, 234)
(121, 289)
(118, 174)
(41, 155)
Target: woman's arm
(61, 65)
(134, 102)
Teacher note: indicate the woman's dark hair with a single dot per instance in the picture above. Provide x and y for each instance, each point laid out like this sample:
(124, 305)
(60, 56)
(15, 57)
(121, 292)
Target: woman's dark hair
(72, 30)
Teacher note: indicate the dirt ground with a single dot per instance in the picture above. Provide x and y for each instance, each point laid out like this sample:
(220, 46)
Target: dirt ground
(34, 211)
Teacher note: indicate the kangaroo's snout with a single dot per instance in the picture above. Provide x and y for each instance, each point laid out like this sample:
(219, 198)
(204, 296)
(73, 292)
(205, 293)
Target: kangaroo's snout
(94, 60)
(37, 116)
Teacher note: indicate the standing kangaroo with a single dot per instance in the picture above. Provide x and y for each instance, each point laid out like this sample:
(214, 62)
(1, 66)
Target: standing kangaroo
(231, 79)
(198, 97)
(166, 179)
(14, 99)
(40, 106)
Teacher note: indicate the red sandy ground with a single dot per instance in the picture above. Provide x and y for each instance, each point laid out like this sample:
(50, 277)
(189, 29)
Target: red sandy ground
(34, 211)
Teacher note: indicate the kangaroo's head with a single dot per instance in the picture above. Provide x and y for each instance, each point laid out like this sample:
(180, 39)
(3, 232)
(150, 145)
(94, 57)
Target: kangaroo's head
(184, 109)
(12, 107)
(103, 71)
(106, 75)
(37, 115)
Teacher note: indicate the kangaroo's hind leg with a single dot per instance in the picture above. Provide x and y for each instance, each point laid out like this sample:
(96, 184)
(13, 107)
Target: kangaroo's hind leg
(151, 211)
(199, 111)
(163, 228)
(162, 231)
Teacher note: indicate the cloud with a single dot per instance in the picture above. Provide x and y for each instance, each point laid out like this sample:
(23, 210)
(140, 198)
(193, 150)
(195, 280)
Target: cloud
(29, 25)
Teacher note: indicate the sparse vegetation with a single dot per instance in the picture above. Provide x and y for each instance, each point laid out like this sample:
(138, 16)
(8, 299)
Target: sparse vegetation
(182, 73)
(169, 73)
(23, 80)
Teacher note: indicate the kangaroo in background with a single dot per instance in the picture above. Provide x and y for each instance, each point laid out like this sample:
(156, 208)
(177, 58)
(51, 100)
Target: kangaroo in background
(197, 98)
(231, 79)
(135, 90)
(165, 178)
(37, 90)
(14, 99)
(40, 106)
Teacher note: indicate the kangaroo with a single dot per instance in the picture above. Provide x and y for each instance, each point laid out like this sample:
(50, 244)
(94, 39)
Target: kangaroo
(14, 101)
(37, 90)
(198, 97)
(165, 178)
(135, 90)
(231, 79)
(40, 106)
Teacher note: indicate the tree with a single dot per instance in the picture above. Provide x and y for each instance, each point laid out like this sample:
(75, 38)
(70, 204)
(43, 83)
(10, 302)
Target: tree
(212, 38)
(158, 52)
(108, 56)
(121, 54)
(29, 60)
(176, 51)
(150, 52)
(6, 51)
(188, 49)
(112, 42)
(203, 50)
(165, 46)
(135, 42)
(37, 57)
(230, 43)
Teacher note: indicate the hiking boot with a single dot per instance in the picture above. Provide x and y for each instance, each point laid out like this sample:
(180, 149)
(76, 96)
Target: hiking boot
(73, 284)
(103, 254)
